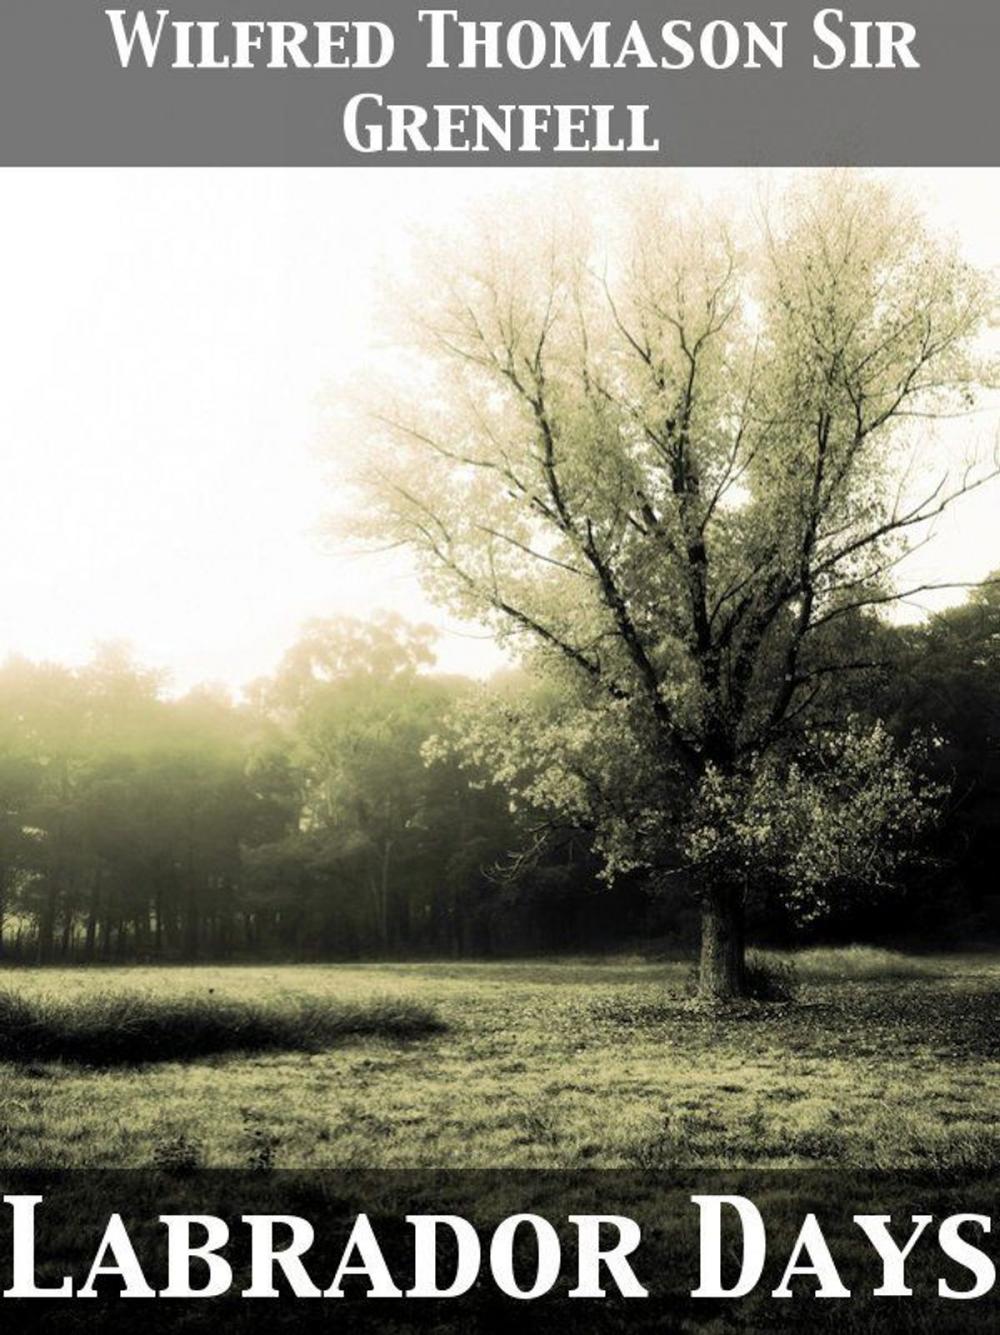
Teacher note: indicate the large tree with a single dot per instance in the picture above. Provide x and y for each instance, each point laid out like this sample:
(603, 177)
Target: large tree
(681, 477)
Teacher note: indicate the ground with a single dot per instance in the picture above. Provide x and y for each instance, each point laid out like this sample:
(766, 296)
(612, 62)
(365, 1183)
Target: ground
(882, 1062)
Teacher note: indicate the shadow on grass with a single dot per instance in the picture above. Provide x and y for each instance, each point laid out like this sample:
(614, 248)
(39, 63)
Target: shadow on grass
(132, 1029)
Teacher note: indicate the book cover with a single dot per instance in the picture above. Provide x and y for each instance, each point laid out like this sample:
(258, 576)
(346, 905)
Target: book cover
(499, 679)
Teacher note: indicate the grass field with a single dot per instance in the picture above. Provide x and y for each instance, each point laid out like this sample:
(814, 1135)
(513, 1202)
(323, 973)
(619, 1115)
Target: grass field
(884, 1061)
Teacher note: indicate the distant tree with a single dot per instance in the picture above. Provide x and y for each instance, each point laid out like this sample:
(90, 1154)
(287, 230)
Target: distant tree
(360, 711)
(673, 480)
(20, 779)
(947, 684)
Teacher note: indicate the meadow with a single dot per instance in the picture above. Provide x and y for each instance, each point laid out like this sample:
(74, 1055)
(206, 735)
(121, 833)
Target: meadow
(883, 1061)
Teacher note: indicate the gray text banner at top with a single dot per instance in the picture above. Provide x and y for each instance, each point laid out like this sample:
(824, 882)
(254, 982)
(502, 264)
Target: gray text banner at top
(66, 100)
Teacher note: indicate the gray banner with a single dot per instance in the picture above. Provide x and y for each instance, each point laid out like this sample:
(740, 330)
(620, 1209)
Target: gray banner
(66, 100)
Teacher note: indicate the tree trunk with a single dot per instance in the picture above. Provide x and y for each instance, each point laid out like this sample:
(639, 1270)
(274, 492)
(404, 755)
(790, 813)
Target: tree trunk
(47, 923)
(92, 916)
(386, 855)
(158, 920)
(67, 935)
(721, 974)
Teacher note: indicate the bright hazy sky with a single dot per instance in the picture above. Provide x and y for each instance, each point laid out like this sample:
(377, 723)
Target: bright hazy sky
(164, 338)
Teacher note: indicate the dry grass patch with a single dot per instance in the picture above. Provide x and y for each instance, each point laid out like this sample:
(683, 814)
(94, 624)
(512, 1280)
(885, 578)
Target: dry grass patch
(133, 1028)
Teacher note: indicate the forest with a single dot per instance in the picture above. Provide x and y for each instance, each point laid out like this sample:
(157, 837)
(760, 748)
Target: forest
(324, 815)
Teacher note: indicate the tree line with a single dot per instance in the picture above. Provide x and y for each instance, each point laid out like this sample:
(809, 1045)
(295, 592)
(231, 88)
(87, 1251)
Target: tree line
(305, 820)
(327, 815)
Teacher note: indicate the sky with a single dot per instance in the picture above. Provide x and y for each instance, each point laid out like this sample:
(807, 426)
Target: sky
(166, 339)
